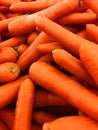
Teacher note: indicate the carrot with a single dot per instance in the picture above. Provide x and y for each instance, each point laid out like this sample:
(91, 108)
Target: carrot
(59, 9)
(45, 98)
(6, 35)
(77, 18)
(92, 4)
(92, 31)
(11, 15)
(4, 9)
(31, 7)
(2, 16)
(48, 47)
(72, 65)
(46, 58)
(60, 84)
(7, 54)
(31, 37)
(72, 123)
(7, 115)
(3, 126)
(40, 117)
(22, 119)
(6, 3)
(70, 41)
(35, 127)
(10, 90)
(88, 56)
(12, 42)
(82, 8)
(21, 48)
(32, 54)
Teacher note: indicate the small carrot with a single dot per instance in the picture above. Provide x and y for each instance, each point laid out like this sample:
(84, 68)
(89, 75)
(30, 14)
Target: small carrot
(59, 9)
(60, 84)
(22, 119)
(46, 58)
(88, 56)
(21, 48)
(3, 126)
(72, 123)
(40, 117)
(92, 30)
(12, 42)
(7, 54)
(46, 98)
(10, 70)
(72, 65)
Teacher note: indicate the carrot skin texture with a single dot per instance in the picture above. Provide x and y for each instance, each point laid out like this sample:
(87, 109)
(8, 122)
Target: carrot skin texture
(86, 102)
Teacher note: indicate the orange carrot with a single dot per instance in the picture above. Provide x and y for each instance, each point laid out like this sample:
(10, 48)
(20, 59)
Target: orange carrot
(60, 84)
(59, 9)
(48, 47)
(40, 117)
(72, 65)
(21, 48)
(12, 42)
(10, 90)
(72, 123)
(92, 30)
(3, 126)
(46, 58)
(24, 105)
(6, 3)
(35, 127)
(88, 56)
(6, 35)
(82, 8)
(45, 98)
(31, 37)
(7, 115)
(4, 9)
(2, 16)
(11, 15)
(7, 54)
(77, 18)
(31, 7)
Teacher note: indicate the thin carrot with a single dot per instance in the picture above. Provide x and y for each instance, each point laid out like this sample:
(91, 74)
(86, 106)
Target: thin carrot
(13, 41)
(40, 117)
(10, 90)
(52, 12)
(60, 84)
(46, 98)
(88, 56)
(7, 54)
(3, 126)
(24, 105)
(72, 65)
(72, 123)
(46, 58)
(92, 30)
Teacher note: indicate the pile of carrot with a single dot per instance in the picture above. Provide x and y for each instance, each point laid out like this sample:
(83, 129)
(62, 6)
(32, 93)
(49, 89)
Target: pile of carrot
(48, 65)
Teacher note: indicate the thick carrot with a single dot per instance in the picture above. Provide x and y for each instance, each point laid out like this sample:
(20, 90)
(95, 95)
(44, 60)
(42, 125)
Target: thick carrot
(40, 117)
(92, 4)
(10, 70)
(3, 126)
(52, 12)
(92, 30)
(72, 65)
(48, 47)
(70, 41)
(12, 42)
(46, 58)
(77, 18)
(31, 7)
(32, 54)
(24, 105)
(7, 54)
(7, 115)
(21, 48)
(31, 37)
(88, 56)
(10, 90)
(60, 84)
(46, 98)
(72, 123)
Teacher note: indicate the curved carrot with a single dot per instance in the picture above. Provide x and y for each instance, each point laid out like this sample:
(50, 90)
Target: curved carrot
(45, 98)
(10, 70)
(7, 54)
(60, 84)
(52, 12)
(72, 123)
(88, 56)
(72, 65)
(24, 105)
(3, 126)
